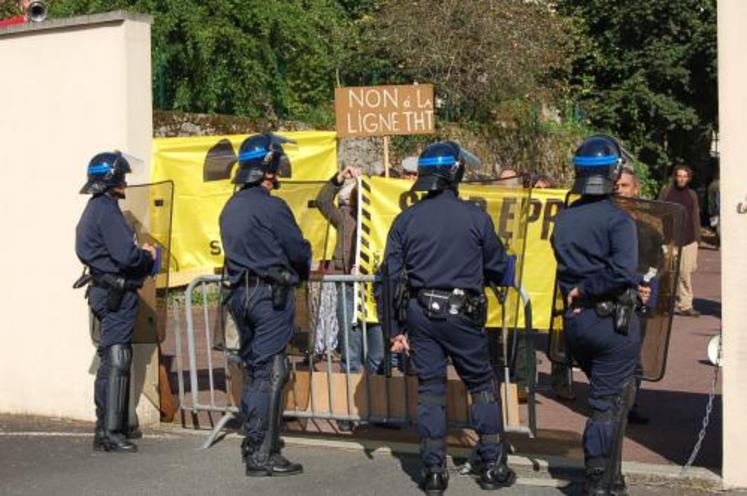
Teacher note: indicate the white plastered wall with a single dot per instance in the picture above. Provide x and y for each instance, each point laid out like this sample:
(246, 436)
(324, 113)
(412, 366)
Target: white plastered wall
(732, 73)
(71, 88)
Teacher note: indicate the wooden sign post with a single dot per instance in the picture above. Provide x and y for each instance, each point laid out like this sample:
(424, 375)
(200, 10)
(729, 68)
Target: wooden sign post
(366, 111)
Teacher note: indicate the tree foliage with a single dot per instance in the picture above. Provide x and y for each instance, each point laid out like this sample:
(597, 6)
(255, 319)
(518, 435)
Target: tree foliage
(9, 8)
(529, 77)
(479, 53)
(269, 58)
(647, 73)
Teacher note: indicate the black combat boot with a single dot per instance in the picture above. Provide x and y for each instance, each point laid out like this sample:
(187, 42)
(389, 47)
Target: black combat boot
(265, 459)
(130, 431)
(99, 432)
(113, 441)
(257, 460)
(435, 480)
(496, 475)
(260, 462)
(246, 449)
(111, 436)
(595, 483)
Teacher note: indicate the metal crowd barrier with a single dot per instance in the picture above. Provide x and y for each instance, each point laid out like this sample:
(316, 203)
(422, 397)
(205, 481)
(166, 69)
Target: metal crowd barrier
(321, 404)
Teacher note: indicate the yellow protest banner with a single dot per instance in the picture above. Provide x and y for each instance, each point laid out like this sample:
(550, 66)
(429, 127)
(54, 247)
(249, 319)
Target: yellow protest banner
(202, 187)
(523, 221)
(201, 173)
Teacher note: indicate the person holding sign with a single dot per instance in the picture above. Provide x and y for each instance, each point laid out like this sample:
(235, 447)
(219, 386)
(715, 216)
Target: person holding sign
(266, 257)
(343, 185)
(439, 253)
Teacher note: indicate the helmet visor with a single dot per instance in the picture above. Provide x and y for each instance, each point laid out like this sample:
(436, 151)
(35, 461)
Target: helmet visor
(469, 159)
(131, 164)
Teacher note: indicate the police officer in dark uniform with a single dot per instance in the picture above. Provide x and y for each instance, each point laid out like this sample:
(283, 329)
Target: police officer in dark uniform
(266, 256)
(106, 245)
(441, 252)
(596, 248)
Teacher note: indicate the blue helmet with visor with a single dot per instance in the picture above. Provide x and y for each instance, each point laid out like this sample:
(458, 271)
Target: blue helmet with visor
(259, 155)
(441, 166)
(598, 163)
(105, 170)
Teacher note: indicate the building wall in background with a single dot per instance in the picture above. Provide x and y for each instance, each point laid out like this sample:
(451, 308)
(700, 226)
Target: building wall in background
(732, 74)
(71, 88)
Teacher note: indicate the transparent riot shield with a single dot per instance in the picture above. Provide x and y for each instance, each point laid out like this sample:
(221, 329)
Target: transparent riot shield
(148, 209)
(556, 350)
(658, 226)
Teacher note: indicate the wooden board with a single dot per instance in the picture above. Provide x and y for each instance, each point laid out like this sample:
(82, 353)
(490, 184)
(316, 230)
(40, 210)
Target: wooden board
(380, 396)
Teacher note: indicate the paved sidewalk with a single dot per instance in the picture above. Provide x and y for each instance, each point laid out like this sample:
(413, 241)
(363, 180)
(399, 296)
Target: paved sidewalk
(44, 457)
(675, 405)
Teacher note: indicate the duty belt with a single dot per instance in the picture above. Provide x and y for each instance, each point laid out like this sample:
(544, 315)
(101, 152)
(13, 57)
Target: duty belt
(107, 281)
(110, 281)
(248, 280)
(603, 307)
(116, 287)
(620, 307)
(439, 302)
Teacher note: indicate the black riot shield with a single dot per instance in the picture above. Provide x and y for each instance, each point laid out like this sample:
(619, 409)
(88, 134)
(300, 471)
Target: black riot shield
(148, 209)
(658, 226)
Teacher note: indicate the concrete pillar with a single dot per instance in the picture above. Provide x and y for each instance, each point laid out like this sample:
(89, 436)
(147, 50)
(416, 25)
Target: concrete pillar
(70, 88)
(732, 75)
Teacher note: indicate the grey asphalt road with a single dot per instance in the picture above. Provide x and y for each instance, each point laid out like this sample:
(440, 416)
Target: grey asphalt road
(57, 460)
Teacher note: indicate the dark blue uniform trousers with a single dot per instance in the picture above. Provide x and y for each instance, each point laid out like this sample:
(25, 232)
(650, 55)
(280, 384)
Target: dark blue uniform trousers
(116, 328)
(609, 360)
(432, 342)
(264, 332)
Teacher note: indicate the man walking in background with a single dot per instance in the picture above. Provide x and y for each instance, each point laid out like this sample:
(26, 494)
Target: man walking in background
(678, 191)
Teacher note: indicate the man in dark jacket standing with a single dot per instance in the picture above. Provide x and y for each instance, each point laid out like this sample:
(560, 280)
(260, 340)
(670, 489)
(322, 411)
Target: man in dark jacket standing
(678, 191)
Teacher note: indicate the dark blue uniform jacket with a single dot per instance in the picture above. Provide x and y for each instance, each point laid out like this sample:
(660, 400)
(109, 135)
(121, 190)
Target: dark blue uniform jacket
(445, 243)
(596, 247)
(106, 243)
(259, 232)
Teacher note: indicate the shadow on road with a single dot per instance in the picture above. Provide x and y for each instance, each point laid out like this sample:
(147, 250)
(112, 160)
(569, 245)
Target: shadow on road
(708, 307)
(675, 420)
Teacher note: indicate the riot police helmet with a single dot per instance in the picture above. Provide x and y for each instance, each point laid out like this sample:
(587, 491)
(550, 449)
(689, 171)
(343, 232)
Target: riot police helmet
(106, 170)
(441, 166)
(598, 163)
(259, 155)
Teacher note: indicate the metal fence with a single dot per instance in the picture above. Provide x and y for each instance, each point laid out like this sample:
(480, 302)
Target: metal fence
(382, 396)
